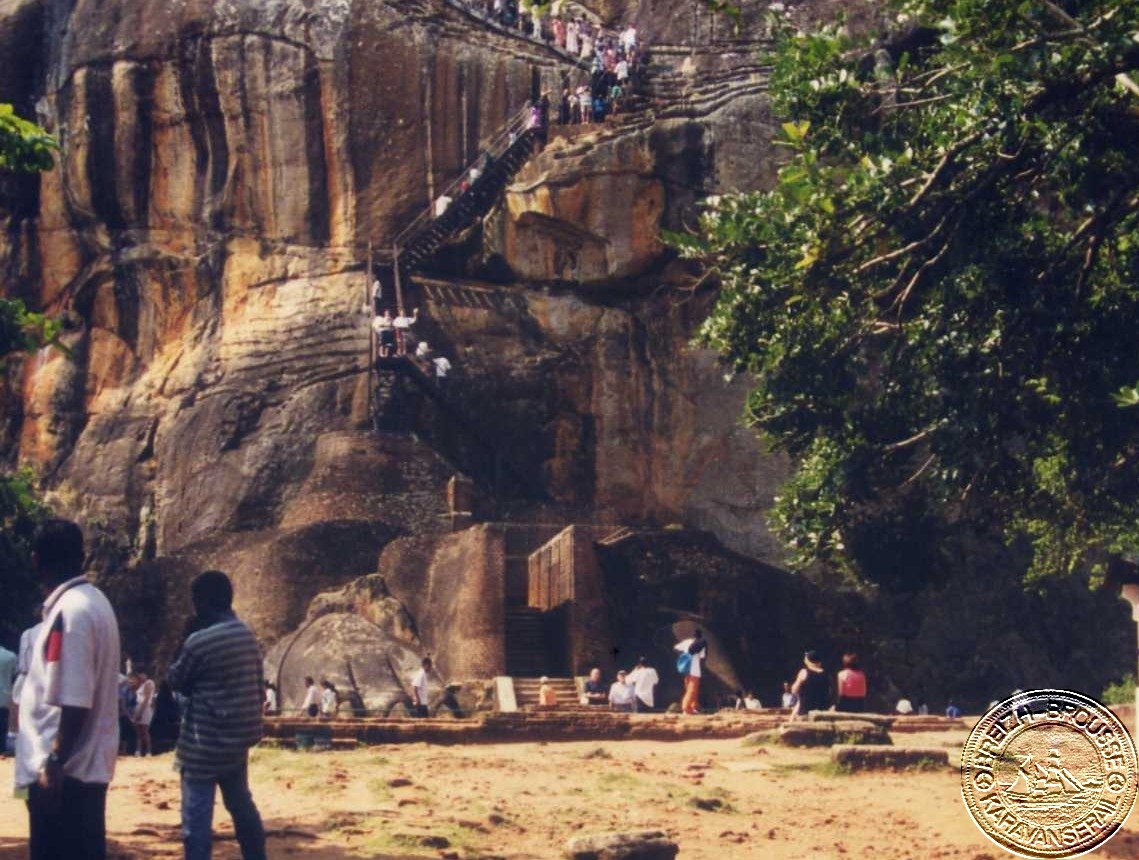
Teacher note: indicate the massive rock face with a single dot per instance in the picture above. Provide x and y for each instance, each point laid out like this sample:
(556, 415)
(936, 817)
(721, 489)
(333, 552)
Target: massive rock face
(223, 167)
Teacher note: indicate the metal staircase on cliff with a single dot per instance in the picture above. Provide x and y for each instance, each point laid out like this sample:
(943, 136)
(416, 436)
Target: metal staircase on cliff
(501, 159)
(445, 427)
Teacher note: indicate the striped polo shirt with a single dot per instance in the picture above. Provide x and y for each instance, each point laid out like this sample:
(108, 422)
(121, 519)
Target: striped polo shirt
(219, 669)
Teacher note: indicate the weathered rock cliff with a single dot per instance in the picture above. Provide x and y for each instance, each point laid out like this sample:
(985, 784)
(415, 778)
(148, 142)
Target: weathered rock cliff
(223, 167)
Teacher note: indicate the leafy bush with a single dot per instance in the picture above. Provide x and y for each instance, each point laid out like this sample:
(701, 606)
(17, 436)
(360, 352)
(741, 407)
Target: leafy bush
(1120, 693)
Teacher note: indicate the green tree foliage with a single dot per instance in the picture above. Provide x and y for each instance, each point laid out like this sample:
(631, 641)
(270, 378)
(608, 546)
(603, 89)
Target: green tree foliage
(938, 299)
(22, 331)
(23, 147)
(21, 509)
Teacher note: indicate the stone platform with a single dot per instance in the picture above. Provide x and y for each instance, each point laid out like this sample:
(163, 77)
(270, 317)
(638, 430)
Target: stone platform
(576, 724)
(570, 725)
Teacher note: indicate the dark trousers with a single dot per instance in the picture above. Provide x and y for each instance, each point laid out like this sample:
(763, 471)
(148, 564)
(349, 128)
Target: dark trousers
(76, 830)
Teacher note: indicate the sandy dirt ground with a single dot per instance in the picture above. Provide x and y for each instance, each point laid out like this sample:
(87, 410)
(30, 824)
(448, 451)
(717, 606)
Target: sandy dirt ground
(715, 798)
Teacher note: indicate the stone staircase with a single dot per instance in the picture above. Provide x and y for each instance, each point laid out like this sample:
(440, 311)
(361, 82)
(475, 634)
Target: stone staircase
(526, 692)
(526, 653)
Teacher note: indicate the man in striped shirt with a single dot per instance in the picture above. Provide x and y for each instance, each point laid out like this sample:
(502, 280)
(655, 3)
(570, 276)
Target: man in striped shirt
(219, 670)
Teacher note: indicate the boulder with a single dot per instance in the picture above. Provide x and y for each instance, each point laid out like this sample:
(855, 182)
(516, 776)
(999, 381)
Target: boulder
(635, 845)
(860, 757)
(357, 656)
(369, 598)
(807, 734)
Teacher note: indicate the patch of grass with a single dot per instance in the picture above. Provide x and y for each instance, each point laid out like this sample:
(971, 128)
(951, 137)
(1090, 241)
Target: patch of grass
(760, 739)
(618, 782)
(382, 842)
(927, 764)
(825, 768)
(781, 767)
(829, 768)
(379, 789)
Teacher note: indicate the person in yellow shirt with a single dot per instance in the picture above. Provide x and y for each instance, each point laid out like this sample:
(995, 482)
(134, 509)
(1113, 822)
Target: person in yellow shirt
(547, 697)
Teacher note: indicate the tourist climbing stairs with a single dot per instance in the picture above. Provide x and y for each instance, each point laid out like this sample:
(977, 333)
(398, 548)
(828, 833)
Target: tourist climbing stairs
(502, 158)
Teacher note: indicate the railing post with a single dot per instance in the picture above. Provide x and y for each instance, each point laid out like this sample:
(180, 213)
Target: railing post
(398, 286)
(370, 304)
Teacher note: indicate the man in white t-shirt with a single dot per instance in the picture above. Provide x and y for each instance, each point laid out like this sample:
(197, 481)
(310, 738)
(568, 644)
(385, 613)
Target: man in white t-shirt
(442, 368)
(69, 706)
(27, 639)
(643, 678)
(419, 688)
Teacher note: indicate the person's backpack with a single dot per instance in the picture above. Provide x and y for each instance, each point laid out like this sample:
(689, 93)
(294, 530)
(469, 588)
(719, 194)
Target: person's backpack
(683, 662)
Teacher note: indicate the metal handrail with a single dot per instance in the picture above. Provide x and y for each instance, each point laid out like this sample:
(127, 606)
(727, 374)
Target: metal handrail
(497, 147)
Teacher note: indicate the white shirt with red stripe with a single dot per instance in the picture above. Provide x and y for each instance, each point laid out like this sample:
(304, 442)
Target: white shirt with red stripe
(74, 663)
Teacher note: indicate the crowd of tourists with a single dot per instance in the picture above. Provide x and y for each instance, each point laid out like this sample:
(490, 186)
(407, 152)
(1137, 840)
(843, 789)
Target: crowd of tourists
(554, 24)
(394, 338)
(615, 58)
(813, 689)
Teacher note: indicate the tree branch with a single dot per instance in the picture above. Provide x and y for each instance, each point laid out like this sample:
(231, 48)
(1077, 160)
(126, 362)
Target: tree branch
(921, 469)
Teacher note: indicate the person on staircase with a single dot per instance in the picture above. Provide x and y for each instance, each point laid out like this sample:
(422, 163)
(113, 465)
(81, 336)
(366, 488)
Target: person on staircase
(385, 334)
(442, 370)
(402, 325)
(544, 119)
(547, 696)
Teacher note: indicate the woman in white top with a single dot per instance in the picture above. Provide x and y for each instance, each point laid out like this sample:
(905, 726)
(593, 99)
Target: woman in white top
(572, 30)
(311, 704)
(697, 650)
(143, 713)
(270, 705)
(329, 701)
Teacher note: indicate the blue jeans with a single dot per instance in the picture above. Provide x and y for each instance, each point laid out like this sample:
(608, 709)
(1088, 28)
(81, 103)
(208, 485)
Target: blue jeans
(198, 815)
